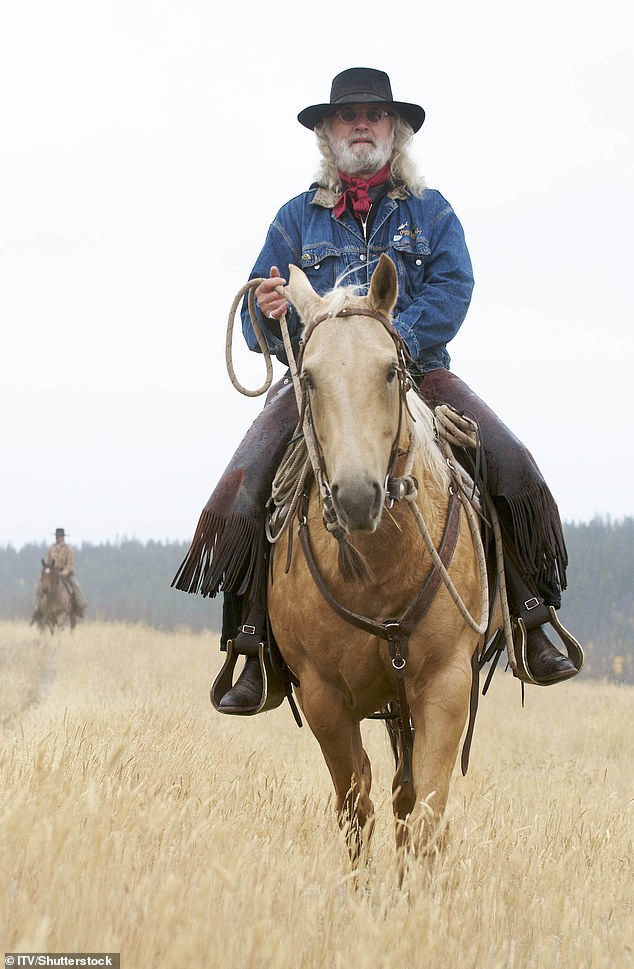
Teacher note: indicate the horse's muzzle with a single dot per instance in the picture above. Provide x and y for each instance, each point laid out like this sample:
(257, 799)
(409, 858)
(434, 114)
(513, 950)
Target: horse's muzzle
(358, 504)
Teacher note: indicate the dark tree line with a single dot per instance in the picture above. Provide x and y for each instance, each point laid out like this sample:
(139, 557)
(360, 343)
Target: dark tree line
(126, 582)
(598, 605)
(130, 582)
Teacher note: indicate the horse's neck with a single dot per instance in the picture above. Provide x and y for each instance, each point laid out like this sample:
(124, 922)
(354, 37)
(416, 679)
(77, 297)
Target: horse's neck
(422, 463)
(432, 501)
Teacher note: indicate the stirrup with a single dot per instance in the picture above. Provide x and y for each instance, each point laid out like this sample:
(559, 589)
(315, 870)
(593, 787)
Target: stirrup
(273, 692)
(520, 642)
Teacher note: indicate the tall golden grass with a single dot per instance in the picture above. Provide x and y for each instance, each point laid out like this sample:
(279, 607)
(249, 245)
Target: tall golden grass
(136, 819)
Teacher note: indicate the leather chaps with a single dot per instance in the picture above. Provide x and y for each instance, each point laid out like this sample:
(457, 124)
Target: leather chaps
(228, 551)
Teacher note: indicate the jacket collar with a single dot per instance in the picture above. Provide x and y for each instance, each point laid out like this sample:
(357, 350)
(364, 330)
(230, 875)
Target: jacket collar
(327, 199)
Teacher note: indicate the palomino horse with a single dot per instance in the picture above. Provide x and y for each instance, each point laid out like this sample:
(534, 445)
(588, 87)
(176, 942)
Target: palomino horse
(53, 600)
(367, 425)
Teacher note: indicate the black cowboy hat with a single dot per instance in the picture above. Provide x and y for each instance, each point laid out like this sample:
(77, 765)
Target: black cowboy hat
(59, 531)
(360, 85)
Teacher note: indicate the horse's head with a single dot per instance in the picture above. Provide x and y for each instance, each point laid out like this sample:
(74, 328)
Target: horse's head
(49, 577)
(353, 373)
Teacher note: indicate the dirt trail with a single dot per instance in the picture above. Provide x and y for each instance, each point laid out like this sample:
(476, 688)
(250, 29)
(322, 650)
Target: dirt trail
(28, 666)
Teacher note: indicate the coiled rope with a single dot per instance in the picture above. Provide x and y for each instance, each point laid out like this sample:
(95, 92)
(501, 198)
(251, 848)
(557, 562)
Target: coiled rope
(301, 455)
(249, 287)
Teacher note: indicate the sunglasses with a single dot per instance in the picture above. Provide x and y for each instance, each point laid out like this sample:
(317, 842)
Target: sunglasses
(351, 115)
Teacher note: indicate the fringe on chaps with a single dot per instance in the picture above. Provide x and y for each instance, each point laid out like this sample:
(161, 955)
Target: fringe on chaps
(228, 551)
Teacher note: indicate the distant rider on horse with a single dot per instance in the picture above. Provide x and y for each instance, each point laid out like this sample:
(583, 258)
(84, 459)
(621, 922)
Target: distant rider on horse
(60, 555)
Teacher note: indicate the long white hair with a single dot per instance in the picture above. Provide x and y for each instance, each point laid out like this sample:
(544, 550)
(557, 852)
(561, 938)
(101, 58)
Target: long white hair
(403, 166)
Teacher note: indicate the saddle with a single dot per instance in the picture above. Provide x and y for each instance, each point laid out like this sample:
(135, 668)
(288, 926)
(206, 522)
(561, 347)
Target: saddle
(229, 552)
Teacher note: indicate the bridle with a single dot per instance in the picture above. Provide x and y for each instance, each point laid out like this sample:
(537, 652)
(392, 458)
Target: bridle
(404, 384)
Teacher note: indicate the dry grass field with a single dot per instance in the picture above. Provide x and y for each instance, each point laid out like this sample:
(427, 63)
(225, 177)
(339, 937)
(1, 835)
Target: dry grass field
(136, 819)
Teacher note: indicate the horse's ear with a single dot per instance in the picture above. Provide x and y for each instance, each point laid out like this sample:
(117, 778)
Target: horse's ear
(384, 286)
(301, 294)
(44, 563)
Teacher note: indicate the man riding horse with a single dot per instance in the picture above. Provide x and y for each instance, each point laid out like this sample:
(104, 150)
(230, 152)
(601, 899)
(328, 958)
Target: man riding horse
(369, 199)
(61, 556)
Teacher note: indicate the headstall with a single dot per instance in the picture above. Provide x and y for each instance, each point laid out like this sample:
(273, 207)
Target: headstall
(404, 385)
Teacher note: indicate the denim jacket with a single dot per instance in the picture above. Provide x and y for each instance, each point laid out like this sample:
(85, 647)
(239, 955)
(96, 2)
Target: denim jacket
(422, 236)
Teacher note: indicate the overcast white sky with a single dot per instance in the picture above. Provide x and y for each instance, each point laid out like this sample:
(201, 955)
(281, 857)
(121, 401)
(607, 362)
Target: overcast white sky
(146, 146)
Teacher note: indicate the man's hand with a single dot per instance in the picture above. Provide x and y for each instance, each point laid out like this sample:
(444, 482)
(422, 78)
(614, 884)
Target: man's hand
(271, 303)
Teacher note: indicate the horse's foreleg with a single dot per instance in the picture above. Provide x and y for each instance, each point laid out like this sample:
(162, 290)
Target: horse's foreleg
(439, 712)
(357, 815)
(339, 737)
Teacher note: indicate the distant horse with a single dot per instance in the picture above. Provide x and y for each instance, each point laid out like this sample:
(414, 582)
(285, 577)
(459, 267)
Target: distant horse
(53, 601)
(357, 645)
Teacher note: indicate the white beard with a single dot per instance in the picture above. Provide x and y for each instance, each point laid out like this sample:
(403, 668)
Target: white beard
(367, 156)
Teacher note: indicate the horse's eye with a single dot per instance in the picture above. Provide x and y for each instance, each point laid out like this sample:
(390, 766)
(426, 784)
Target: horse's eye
(391, 374)
(307, 377)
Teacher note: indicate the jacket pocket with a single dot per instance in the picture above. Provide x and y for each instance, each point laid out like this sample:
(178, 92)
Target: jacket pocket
(320, 264)
(411, 258)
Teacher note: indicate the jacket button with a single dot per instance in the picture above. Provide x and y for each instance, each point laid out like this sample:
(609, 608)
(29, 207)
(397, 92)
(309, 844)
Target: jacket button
(362, 257)
(419, 262)
(317, 266)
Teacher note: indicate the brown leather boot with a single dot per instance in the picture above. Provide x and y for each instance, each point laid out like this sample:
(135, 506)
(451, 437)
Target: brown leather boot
(250, 693)
(545, 662)
(247, 690)
(538, 660)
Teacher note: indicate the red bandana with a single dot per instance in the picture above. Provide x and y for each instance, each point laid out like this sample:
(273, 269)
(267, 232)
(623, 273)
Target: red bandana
(357, 190)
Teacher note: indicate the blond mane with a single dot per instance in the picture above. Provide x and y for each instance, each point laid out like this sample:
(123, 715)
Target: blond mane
(422, 429)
